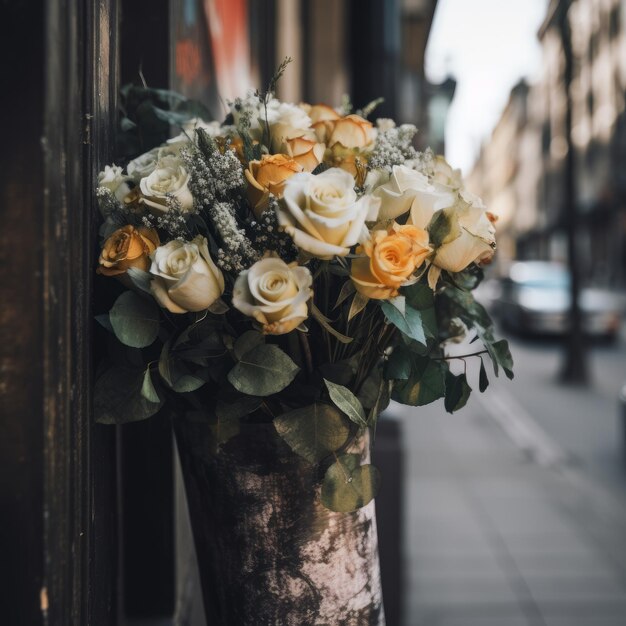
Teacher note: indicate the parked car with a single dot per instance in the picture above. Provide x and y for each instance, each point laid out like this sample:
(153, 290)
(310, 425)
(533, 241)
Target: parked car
(535, 299)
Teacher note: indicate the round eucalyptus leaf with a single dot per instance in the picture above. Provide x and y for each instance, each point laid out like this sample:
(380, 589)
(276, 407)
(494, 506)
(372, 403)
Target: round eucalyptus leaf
(135, 320)
(314, 431)
(263, 371)
(348, 486)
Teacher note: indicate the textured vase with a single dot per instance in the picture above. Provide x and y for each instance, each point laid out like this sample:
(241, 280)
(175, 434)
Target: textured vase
(269, 553)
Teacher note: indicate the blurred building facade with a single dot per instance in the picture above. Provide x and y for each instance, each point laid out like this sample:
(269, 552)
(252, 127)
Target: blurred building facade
(521, 168)
(365, 48)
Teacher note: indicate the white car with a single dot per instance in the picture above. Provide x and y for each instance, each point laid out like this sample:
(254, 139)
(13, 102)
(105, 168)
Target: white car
(535, 299)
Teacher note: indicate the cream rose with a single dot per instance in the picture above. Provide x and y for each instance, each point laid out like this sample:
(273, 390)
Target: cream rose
(389, 260)
(170, 178)
(287, 121)
(115, 181)
(143, 165)
(323, 214)
(408, 190)
(185, 277)
(274, 294)
(471, 239)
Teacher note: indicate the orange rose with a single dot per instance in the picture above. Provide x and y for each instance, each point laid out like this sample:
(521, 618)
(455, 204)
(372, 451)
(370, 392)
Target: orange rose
(268, 176)
(127, 247)
(391, 258)
(309, 154)
(320, 112)
(351, 131)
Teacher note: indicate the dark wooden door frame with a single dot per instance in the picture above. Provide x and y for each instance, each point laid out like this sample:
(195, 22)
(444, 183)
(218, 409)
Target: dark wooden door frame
(80, 69)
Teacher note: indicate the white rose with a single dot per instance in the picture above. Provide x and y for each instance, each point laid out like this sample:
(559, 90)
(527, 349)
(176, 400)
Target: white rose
(112, 179)
(408, 190)
(322, 213)
(287, 121)
(169, 178)
(185, 277)
(143, 165)
(445, 174)
(471, 239)
(374, 179)
(274, 294)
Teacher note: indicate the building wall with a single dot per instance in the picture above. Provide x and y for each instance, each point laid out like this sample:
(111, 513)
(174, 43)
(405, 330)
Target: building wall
(520, 171)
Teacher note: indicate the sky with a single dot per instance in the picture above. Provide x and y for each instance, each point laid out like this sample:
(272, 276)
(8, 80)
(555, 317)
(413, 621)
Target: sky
(487, 46)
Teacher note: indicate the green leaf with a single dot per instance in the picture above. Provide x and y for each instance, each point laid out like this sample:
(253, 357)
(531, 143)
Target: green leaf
(105, 322)
(174, 372)
(325, 323)
(148, 390)
(236, 407)
(348, 486)
(250, 339)
(263, 371)
(420, 297)
(118, 397)
(347, 402)
(135, 320)
(409, 323)
(425, 384)
(140, 279)
(314, 431)
(444, 226)
(501, 354)
(398, 366)
(483, 380)
(457, 392)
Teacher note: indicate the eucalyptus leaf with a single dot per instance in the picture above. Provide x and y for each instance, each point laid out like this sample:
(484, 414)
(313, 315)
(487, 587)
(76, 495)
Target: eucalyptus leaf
(263, 371)
(135, 320)
(425, 384)
(410, 323)
(118, 397)
(249, 340)
(457, 392)
(105, 322)
(314, 431)
(235, 408)
(348, 486)
(398, 366)
(483, 380)
(148, 390)
(347, 402)
(140, 279)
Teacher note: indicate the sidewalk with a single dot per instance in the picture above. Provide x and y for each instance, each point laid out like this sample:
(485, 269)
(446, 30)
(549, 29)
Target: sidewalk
(493, 538)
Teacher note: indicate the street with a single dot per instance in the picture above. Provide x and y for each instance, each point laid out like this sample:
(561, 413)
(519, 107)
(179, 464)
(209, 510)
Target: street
(515, 507)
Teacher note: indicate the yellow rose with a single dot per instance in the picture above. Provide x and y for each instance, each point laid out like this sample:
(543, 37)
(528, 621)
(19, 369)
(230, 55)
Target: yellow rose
(390, 259)
(306, 152)
(127, 247)
(351, 131)
(274, 294)
(268, 176)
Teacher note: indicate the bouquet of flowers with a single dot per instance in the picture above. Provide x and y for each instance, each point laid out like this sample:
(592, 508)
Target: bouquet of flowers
(294, 264)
